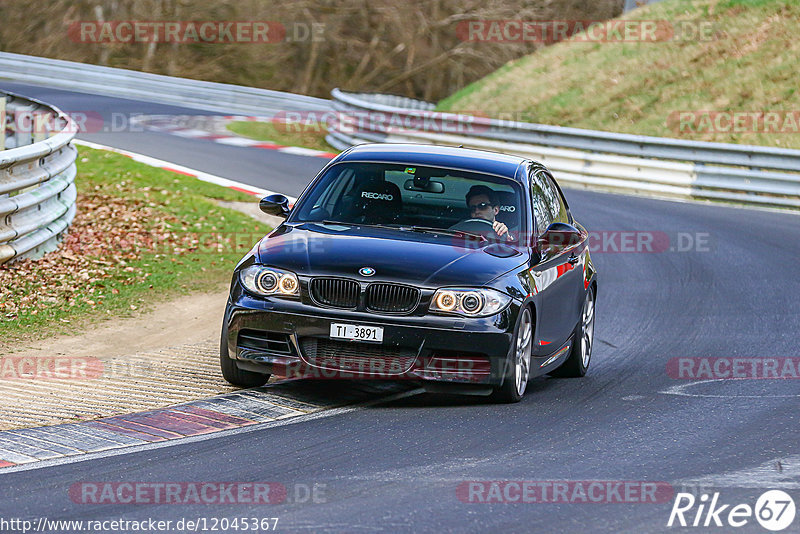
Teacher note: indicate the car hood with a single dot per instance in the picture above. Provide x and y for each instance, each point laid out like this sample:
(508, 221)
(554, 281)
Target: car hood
(414, 258)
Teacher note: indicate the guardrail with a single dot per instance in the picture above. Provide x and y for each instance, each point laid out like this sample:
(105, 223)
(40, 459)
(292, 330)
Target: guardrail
(601, 160)
(122, 83)
(37, 177)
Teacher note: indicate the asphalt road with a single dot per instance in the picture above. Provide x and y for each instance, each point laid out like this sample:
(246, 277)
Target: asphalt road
(396, 467)
(109, 124)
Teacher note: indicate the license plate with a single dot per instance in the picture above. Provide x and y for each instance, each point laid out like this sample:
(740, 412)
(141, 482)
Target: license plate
(357, 332)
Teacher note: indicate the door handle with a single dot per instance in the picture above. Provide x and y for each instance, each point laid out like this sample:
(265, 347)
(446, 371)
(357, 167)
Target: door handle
(573, 259)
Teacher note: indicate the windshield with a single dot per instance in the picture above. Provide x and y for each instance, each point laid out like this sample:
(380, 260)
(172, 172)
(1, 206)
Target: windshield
(425, 198)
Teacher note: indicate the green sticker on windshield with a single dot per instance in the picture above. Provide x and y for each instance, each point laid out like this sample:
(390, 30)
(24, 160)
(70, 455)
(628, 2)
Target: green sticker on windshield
(411, 170)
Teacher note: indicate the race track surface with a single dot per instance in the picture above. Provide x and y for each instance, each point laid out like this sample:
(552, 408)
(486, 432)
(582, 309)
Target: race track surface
(396, 466)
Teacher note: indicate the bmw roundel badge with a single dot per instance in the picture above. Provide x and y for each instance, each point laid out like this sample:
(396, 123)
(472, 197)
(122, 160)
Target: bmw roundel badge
(366, 271)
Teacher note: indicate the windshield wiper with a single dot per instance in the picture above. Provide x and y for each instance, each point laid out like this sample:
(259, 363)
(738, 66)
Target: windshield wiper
(420, 229)
(389, 227)
(446, 231)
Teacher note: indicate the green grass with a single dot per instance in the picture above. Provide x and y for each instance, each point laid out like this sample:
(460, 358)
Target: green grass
(289, 134)
(748, 63)
(100, 271)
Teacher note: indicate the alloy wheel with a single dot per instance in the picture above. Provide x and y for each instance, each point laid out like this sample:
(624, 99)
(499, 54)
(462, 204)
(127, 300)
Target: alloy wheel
(523, 351)
(587, 330)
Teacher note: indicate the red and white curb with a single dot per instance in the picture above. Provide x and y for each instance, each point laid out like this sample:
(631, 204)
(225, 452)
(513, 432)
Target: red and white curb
(165, 123)
(225, 414)
(186, 171)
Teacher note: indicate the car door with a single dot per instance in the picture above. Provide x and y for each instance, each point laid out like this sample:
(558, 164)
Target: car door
(558, 277)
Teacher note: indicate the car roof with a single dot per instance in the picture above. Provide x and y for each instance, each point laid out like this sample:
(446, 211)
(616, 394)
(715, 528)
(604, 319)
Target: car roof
(435, 156)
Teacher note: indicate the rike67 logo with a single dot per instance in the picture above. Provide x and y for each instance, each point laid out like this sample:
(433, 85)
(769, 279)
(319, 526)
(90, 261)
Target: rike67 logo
(774, 510)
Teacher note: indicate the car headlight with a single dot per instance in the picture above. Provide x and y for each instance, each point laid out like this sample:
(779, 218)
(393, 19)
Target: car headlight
(470, 302)
(267, 281)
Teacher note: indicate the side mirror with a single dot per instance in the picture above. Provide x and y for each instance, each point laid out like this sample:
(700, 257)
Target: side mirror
(558, 236)
(277, 205)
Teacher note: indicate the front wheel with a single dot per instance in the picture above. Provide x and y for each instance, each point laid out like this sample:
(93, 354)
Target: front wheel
(577, 362)
(232, 373)
(516, 381)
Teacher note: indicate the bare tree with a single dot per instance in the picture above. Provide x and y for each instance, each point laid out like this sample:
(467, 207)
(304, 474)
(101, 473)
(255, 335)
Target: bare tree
(410, 48)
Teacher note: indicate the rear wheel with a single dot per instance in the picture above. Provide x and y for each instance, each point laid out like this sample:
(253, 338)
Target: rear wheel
(580, 355)
(233, 374)
(519, 366)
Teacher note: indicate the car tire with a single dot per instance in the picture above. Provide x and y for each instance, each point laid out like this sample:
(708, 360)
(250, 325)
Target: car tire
(519, 361)
(580, 354)
(232, 373)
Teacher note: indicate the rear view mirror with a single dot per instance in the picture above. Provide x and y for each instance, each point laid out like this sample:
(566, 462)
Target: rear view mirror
(428, 186)
(277, 205)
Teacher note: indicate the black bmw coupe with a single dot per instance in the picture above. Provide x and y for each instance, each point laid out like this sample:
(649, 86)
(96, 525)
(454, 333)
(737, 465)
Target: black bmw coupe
(460, 269)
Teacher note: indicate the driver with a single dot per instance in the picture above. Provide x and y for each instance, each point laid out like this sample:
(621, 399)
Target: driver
(483, 204)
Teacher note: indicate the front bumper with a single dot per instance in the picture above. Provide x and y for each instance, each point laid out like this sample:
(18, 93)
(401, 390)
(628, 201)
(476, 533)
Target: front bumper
(292, 338)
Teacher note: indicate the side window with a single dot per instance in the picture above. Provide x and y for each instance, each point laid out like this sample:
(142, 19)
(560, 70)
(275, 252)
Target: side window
(542, 212)
(558, 209)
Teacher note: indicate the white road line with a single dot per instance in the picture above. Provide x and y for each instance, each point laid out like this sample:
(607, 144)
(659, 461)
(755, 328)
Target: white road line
(200, 175)
(300, 151)
(239, 141)
(780, 473)
(190, 133)
(680, 390)
(163, 123)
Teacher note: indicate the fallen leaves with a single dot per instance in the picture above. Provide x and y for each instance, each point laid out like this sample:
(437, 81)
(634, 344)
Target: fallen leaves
(92, 252)
(107, 239)
(125, 245)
